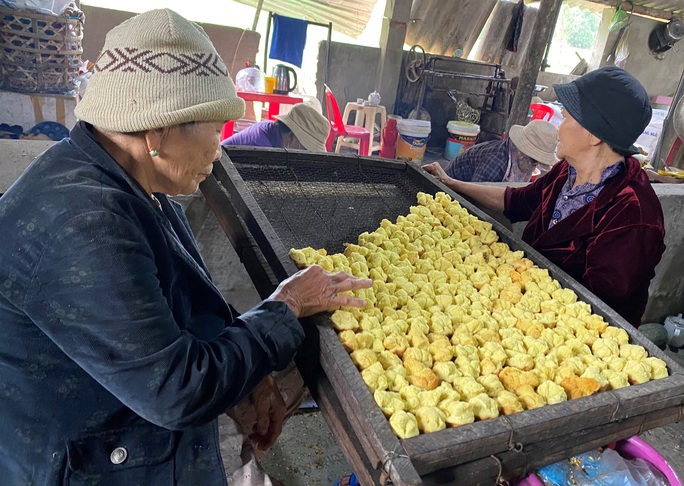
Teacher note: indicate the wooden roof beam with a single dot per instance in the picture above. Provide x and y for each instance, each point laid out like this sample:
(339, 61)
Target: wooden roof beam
(647, 11)
(531, 64)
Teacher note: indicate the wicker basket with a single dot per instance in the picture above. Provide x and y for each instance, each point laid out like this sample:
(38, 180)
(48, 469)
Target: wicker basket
(40, 53)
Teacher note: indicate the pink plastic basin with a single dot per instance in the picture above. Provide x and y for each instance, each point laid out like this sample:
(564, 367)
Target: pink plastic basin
(631, 448)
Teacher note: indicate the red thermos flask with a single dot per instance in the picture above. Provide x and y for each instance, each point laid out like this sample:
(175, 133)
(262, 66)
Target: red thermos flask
(388, 145)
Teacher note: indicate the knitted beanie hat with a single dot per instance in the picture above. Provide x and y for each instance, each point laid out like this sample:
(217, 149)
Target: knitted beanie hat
(156, 70)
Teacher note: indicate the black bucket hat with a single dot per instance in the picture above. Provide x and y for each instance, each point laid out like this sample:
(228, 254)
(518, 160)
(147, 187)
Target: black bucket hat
(610, 104)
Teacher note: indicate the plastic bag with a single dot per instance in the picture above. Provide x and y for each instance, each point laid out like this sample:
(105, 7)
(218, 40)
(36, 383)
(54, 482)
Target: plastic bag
(648, 140)
(605, 468)
(622, 50)
(571, 470)
(621, 18)
(250, 79)
(53, 7)
(618, 471)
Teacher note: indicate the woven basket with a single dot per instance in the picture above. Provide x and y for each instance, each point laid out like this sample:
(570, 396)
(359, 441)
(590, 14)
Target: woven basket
(40, 53)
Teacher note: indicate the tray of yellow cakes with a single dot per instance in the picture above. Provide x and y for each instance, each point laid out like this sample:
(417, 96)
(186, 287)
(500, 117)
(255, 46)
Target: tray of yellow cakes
(475, 359)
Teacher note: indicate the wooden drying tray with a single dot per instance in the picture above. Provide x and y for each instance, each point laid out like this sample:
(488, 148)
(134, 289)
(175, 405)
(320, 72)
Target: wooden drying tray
(479, 453)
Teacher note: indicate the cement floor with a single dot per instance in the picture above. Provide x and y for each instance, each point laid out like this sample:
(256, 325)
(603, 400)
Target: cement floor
(306, 453)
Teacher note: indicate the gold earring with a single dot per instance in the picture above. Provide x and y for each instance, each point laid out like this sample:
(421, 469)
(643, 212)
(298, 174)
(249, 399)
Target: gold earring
(154, 153)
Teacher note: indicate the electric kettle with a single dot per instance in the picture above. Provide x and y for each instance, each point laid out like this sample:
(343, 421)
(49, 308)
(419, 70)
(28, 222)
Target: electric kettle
(282, 75)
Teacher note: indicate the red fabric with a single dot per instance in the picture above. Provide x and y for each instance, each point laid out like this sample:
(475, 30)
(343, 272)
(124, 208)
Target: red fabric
(611, 245)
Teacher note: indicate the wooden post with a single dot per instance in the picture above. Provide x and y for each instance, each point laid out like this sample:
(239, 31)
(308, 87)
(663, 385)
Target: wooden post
(392, 37)
(529, 70)
(327, 54)
(256, 15)
(668, 136)
(267, 40)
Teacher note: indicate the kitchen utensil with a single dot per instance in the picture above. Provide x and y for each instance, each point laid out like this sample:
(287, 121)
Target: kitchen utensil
(675, 331)
(282, 75)
(374, 98)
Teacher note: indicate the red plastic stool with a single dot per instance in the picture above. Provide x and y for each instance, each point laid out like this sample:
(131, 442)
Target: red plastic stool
(541, 112)
(339, 130)
(227, 129)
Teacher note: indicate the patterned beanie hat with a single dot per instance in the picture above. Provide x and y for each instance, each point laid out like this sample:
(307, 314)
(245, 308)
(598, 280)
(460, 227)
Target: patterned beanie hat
(155, 70)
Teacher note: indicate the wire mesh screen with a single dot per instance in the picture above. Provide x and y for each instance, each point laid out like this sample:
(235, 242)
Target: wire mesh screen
(324, 205)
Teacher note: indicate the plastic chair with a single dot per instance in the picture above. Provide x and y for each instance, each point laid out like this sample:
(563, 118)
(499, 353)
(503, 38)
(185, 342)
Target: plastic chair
(227, 129)
(339, 130)
(541, 112)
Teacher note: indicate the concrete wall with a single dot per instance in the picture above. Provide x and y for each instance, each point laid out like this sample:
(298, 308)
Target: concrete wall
(659, 76)
(352, 76)
(352, 72)
(17, 109)
(666, 294)
(235, 46)
(440, 27)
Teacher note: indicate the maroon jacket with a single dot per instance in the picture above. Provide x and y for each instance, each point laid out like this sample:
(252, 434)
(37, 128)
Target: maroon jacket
(611, 245)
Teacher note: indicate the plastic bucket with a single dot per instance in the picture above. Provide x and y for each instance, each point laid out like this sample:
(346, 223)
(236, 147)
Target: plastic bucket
(412, 139)
(462, 136)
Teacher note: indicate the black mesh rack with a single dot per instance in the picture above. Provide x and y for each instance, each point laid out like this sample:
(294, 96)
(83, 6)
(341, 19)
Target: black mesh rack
(325, 205)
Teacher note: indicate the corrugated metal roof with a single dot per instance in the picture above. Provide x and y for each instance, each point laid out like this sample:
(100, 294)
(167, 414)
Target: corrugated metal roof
(347, 16)
(663, 9)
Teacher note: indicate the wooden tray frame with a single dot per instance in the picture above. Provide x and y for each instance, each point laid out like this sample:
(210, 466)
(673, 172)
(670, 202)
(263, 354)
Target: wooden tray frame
(479, 453)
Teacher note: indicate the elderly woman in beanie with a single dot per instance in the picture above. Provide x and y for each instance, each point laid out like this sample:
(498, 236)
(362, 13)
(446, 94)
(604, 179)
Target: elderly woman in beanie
(594, 214)
(118, 352)
(300, 128)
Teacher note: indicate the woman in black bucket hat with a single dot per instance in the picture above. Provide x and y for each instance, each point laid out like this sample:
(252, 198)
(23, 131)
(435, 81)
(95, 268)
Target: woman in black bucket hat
(594, 214)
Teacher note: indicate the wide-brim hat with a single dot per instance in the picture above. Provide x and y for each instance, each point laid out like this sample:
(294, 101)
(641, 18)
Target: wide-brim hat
(537, 140)
(309, 126)
(610, 104)
(155, 70)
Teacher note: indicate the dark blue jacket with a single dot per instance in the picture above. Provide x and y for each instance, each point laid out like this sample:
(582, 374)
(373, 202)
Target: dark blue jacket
(114, 342)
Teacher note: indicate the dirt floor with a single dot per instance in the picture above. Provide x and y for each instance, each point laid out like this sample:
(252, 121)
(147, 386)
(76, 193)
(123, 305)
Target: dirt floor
(306, 453)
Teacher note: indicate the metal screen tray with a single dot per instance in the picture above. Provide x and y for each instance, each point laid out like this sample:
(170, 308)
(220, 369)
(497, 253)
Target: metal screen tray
(269, 201)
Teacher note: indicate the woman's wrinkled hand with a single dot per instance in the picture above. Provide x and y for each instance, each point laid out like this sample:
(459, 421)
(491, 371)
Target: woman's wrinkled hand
(314, 290)
(438, 172)
(261, 415)
(270, 413)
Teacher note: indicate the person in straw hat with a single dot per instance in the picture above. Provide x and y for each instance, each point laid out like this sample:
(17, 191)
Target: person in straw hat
(301, 128)
(510, 160)
(594, 214)
(118, 351)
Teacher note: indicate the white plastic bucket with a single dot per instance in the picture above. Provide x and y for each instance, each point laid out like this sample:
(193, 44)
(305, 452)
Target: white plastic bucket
(462, 136)
(412, 139)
